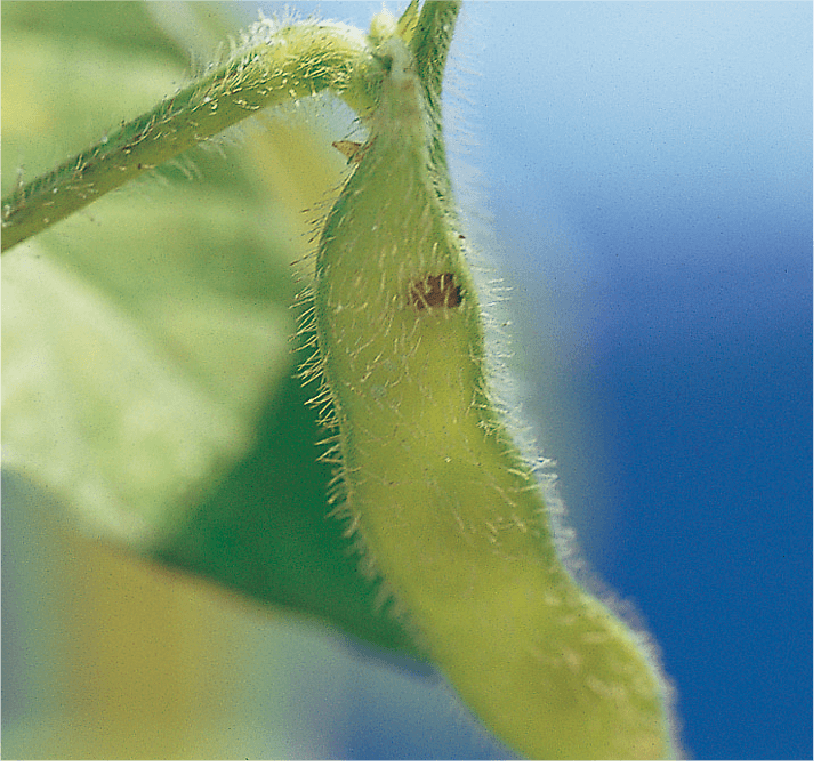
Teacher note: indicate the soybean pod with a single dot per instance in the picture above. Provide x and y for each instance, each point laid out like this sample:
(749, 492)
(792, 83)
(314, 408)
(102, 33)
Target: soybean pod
(446, 509)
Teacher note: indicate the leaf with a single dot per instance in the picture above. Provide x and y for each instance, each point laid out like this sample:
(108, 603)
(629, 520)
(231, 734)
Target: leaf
(148, 362)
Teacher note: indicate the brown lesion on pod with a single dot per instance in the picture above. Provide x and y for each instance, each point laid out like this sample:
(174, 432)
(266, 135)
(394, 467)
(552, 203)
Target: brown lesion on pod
(435, 291)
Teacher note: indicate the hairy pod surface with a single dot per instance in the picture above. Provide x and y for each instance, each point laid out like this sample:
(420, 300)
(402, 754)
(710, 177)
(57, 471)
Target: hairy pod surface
(444, 504)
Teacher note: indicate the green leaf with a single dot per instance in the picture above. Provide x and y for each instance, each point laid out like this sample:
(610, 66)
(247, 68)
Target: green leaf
(148, 362)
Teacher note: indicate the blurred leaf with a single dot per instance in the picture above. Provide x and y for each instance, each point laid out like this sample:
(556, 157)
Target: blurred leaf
(148, 367)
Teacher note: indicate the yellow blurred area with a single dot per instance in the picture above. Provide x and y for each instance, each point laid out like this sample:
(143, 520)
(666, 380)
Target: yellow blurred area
(106, 656)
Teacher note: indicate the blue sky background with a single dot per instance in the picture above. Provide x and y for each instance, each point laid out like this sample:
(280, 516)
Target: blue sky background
(646, 180)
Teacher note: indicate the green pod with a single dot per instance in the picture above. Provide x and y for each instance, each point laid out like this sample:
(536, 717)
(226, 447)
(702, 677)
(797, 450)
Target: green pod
(445, 508)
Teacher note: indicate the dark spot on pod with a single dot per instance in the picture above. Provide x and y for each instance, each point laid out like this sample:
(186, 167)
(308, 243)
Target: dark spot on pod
(435, 291)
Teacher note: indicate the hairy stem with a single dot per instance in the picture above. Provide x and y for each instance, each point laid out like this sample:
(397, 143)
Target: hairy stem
(293, 62)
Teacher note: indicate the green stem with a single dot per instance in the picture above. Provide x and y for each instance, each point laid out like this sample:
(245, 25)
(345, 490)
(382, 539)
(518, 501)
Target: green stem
(429, 44)
(430, 47)
(297, 61)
